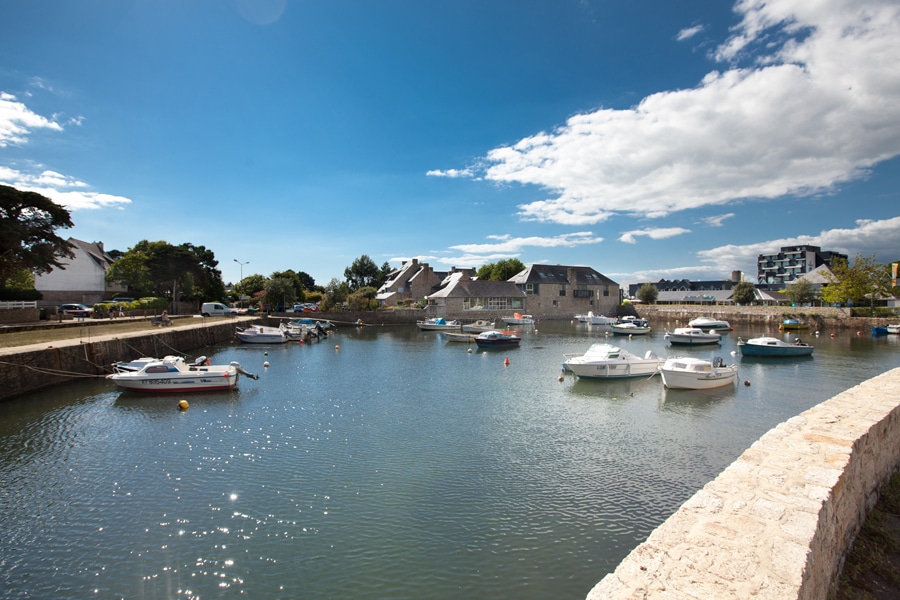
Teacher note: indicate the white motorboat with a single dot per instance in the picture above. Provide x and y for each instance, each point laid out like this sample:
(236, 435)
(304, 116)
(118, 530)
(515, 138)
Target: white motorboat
(895, 328)
(261, 334)
(518, 319)
(591, 319)
(770, 346)
(172, 374)
(439, 324)
(479, 326)
(605, 361)
(708, 323)
(691, 373)
(692, 336)
(468, 338)
(631, 326)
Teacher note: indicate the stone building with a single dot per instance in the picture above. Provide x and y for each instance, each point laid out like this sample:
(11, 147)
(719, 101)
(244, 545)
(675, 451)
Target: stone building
(412, 281)
(554, 291)
(462, 297)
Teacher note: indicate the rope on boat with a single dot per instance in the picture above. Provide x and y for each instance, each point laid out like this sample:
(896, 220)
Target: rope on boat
(641, 384)
(55, 372)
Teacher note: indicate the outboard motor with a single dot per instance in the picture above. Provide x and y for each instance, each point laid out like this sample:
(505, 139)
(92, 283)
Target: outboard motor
(237, 366)
(199, 361)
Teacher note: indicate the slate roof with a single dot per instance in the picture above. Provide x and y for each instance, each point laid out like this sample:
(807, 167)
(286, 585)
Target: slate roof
(475, 288)
(559, 274)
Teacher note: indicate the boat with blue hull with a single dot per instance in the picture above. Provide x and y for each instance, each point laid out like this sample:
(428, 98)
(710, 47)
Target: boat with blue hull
(770, 346)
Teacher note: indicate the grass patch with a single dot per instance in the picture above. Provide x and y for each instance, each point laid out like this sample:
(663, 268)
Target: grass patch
(872, 569)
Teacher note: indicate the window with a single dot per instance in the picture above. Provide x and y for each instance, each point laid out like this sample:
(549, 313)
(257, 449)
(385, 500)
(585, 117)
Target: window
(562, 290)
(532, 289)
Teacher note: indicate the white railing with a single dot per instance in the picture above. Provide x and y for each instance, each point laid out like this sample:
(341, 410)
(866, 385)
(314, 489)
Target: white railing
(18, 304)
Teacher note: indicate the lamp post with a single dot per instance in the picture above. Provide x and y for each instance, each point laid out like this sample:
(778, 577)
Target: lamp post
(240, 296)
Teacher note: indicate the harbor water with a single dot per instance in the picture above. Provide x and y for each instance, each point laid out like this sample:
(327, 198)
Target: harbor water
(383, 462)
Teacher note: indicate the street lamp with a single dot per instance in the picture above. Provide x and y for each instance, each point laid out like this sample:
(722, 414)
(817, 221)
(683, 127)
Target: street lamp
(240, 296)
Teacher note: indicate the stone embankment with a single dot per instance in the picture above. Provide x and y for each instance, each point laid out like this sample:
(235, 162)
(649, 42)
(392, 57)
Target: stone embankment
(779, 521)
(31, 368)
(767, 318)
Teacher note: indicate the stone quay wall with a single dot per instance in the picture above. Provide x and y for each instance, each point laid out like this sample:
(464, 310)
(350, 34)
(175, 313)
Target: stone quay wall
(25, 370)
(778, 522)
(820, 318)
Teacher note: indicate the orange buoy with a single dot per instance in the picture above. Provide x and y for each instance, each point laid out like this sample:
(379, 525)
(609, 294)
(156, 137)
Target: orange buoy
(183, 405)
(506, 361)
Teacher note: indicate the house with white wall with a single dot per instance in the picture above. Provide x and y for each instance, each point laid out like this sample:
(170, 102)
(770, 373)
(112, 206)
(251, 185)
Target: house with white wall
(81, 279)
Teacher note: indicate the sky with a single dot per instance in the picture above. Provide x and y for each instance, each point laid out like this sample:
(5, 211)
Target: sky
(649, 139)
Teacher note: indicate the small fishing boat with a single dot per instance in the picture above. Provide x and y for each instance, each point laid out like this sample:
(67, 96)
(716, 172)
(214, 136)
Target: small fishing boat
(591, 319)
(879, 330)
(689, 373)
(479, 326)
(438, 324)
(497, 339)
(708, 323)
(261, 334)
(692, 336)
(893, 329)
(770, 346)
(518, 319)
(468, 338)
(631, 326)
(793, 325)
(605, 361)
(172, 374)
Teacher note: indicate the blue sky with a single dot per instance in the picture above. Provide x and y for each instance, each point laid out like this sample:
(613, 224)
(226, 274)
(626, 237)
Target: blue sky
(648, 139)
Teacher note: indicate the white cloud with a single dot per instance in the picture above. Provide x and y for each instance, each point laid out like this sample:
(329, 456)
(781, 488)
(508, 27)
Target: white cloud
(451, 173)
(65, 191)
(688, 32)
(879, 238)
(654, 233)
(17, 122)
(716, 220)
(815, 108)
(509, 245)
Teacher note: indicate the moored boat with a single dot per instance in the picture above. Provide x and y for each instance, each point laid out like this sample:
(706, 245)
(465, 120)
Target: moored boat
(793, 325)
(708, 323)
(497, 339)
(261, 334)
(518, 319)
(452, 336)
(893, 329)
(172, 374)
(479, 326)
(438, 324)
(691, 373)
(605, 361)
(592, 319)
(770, 346)
(631, 326)
(692, 336)
(879, 330)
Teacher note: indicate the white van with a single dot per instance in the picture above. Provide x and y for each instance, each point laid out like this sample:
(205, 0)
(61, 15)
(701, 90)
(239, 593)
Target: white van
(216, 309)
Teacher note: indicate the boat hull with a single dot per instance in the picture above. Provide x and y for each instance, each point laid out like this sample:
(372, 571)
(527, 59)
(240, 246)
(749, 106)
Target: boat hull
(202, 382)
(679, 380)
(622, 330)
(688, 373)
(767, 346)
(613, 370)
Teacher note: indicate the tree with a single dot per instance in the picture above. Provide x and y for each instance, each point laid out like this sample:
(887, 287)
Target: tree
(363, 299)
(280, 292)
(161, 269)
(28, 241)
(743, 293)
(801, 291)
(299, 294)
(866, 279)
(251, 285)
(648, 293)
(363, 272)
(306, 281)
(336, 293)
(502, 270)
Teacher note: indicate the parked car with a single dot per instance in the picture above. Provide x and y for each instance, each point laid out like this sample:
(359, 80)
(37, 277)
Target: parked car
(76, 310)
(216, 309)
